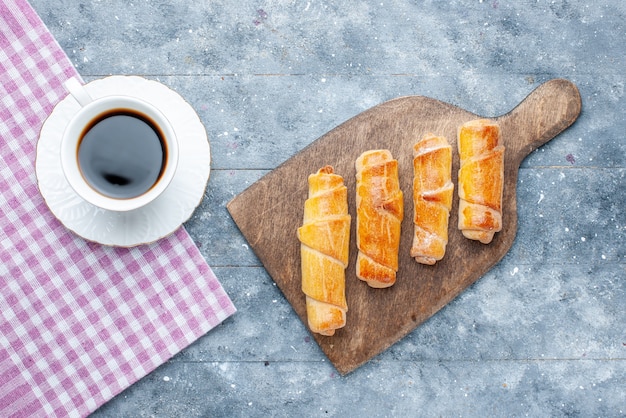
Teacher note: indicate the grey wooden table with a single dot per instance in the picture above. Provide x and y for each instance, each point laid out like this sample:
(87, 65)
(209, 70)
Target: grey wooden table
(541, 334)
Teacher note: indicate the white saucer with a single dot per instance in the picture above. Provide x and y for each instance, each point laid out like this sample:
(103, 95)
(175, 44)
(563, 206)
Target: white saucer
(153, 221)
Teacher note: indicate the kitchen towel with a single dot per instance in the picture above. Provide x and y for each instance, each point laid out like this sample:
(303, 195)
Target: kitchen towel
(79, 322)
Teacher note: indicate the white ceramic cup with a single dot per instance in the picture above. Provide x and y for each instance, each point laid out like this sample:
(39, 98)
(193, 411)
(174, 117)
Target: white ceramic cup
(95, 110)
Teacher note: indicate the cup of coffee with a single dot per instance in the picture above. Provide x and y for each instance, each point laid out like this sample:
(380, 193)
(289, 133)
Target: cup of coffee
(117, 152)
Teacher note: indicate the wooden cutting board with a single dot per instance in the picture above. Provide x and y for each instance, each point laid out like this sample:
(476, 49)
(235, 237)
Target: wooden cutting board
(269, 212)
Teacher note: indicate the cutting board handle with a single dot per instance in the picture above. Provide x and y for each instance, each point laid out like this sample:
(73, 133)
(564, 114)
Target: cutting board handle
(550, 108)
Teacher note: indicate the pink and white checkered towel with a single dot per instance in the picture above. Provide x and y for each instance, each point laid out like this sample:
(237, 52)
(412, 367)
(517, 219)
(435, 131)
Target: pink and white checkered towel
(79, 322)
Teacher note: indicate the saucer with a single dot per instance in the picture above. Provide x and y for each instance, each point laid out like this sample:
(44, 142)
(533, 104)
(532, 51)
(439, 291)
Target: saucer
(159, 218)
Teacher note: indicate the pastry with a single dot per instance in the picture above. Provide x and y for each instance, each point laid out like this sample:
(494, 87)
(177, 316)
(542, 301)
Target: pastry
(379, 208)
(432, 198)
(481, 179)
(324, 245)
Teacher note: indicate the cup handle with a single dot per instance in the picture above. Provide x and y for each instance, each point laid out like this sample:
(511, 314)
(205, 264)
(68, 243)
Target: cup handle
(77, 91)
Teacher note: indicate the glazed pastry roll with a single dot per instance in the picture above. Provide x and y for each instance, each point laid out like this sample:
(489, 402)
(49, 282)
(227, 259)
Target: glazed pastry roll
(380, 210)
(432, 198)
(324, 245)
(481, 179)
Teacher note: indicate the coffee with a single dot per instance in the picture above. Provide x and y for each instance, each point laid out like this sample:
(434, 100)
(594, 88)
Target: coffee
(122, 154)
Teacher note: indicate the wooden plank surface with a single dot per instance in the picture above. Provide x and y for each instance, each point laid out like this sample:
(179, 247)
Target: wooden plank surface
(269, 212)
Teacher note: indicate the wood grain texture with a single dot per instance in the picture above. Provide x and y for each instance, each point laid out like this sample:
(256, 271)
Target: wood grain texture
(269, 212)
